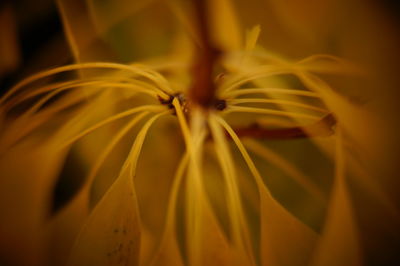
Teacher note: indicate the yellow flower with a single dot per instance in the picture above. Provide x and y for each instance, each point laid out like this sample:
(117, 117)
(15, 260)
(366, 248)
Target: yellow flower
(218, 152)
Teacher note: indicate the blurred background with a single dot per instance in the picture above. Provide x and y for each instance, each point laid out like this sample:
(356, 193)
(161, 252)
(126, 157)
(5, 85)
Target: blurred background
(32, 35)
(366, 31)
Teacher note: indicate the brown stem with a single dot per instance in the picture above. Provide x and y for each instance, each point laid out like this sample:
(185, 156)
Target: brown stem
(203, 89)
(322, 128)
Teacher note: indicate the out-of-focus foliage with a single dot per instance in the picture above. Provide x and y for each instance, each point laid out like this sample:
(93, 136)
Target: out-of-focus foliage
(9, 51)
(101, 163)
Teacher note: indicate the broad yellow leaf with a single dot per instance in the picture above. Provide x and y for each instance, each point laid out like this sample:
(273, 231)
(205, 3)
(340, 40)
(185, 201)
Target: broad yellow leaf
(81, 32)
(285, 240)
(107, 14)
(215, 248)
(339, 242)
(111, 235)
(168, 253)
(28, 173)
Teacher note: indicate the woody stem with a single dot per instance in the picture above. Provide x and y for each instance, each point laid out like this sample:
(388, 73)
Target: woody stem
(202, 91)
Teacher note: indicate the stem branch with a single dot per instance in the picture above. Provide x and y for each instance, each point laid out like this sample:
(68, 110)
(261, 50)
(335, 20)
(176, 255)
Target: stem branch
(322, 128)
